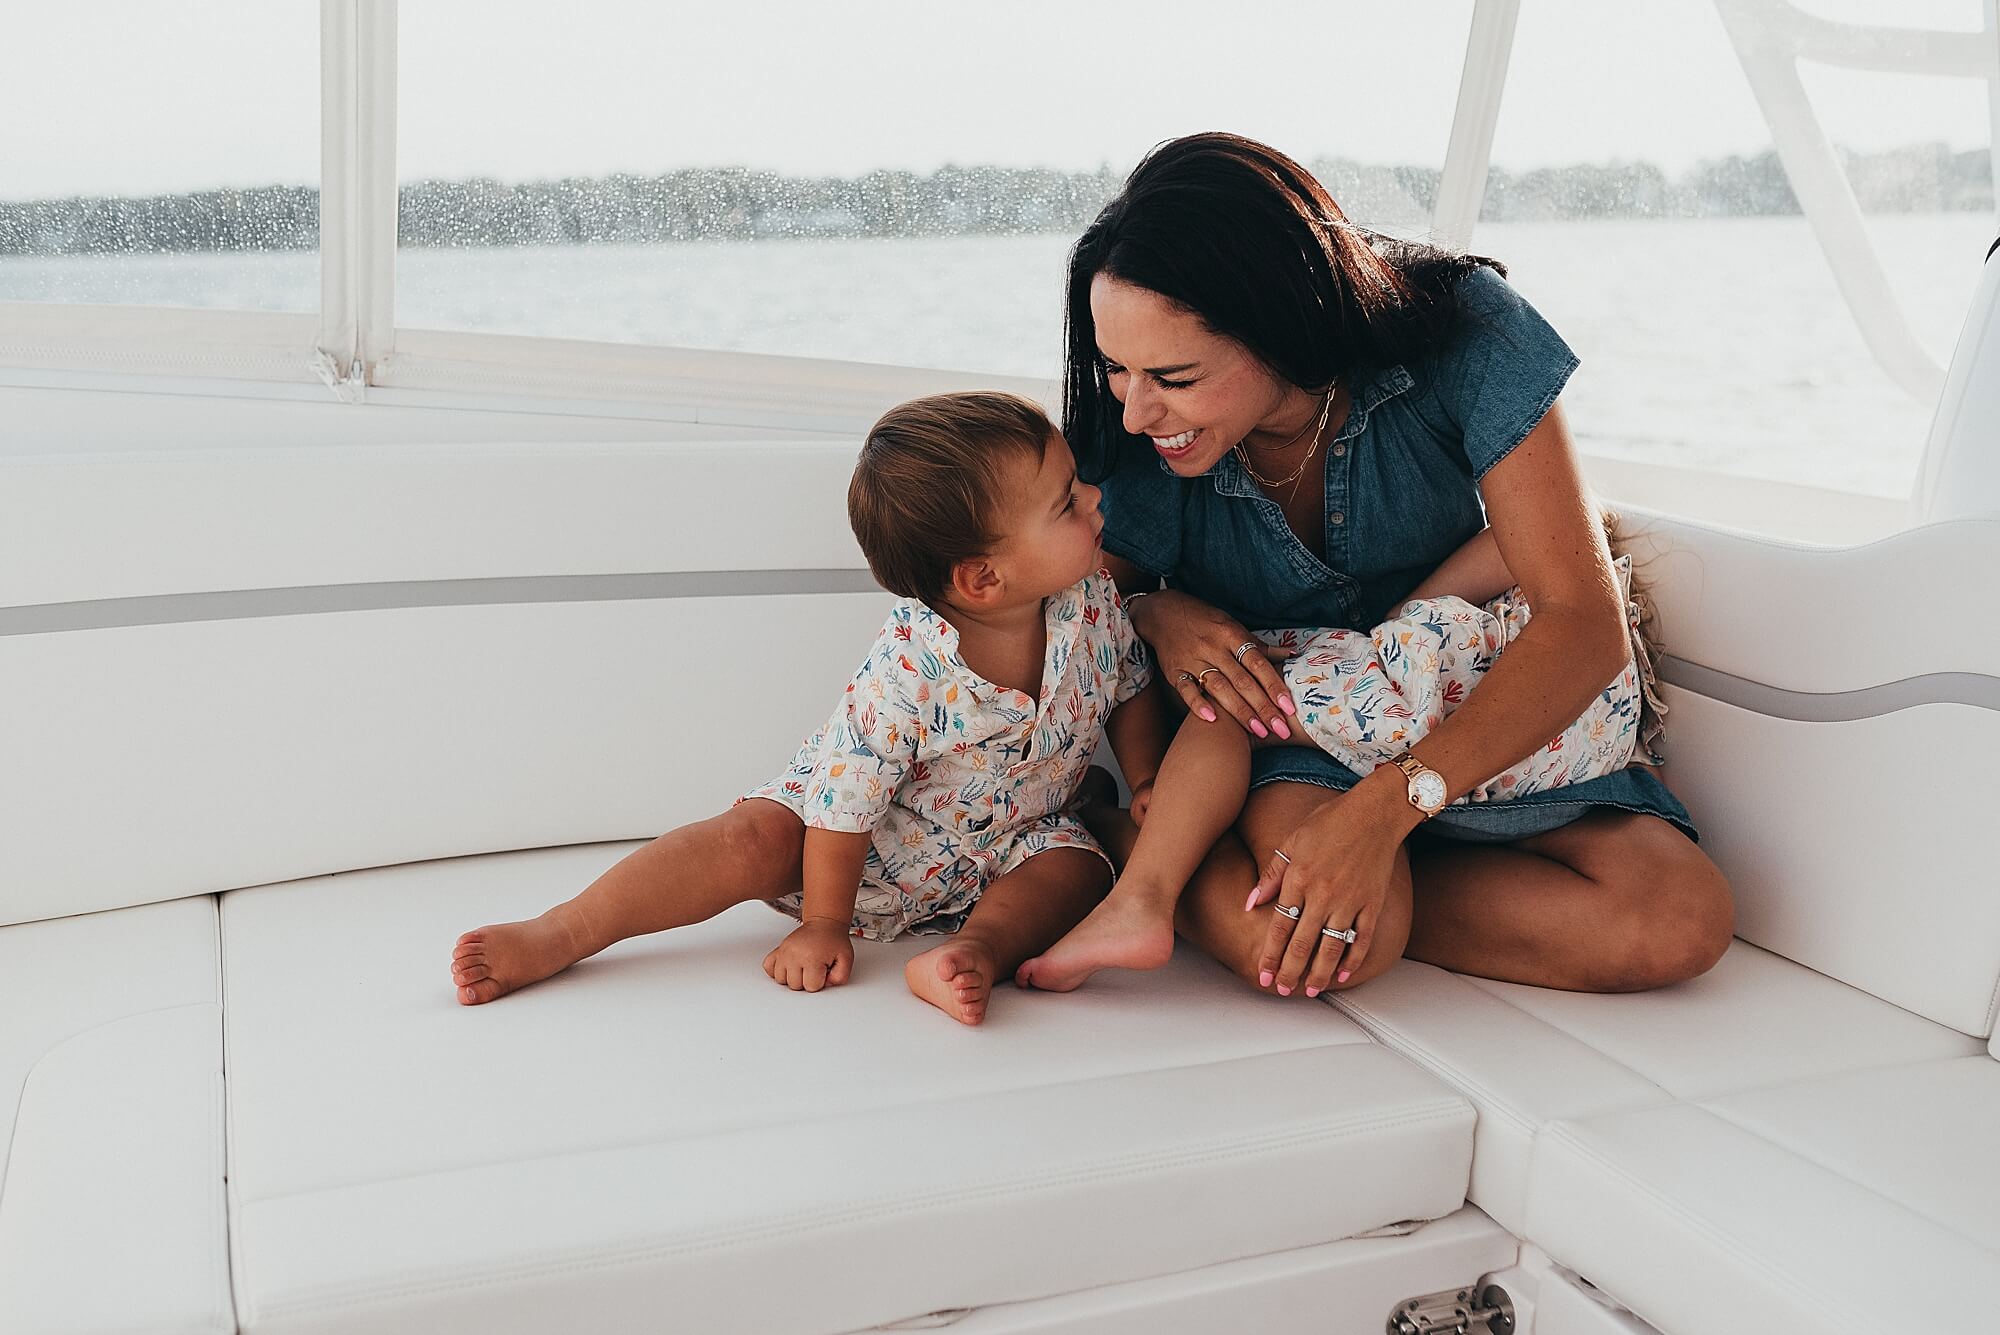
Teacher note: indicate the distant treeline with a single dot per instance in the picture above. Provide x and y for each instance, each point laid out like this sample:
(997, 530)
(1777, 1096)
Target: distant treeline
(737, 204)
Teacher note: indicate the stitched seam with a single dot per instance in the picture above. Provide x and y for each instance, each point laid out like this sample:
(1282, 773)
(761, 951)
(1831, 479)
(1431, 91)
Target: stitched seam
(623, 1146)
(326, 1299)
(1665, 1093)
(1407, 1047)
(1534, 420)
(1706, 1227)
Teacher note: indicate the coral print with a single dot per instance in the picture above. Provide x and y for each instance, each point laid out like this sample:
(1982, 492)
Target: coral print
(960, 780)
(1365, 697)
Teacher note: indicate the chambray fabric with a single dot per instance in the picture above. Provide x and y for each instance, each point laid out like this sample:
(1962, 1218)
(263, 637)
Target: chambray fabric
(1402, 493)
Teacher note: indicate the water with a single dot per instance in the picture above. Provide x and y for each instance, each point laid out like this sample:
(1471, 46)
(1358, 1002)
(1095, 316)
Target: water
(1714, 343)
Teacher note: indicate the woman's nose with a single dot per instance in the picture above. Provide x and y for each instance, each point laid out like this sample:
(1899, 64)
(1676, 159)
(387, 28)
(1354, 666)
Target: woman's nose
(1141, 408)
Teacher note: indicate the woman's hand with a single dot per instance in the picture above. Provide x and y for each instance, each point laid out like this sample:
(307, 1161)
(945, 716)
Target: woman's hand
(1335, 870)
(820, 953)
(1209, 657)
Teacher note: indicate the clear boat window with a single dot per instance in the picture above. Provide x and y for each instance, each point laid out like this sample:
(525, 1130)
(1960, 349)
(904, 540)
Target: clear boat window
(895, 182)
(161, 155)
(1642, 206)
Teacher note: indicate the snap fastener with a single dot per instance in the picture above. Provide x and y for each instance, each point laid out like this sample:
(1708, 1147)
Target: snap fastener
(1340, 449)
(1336, 518)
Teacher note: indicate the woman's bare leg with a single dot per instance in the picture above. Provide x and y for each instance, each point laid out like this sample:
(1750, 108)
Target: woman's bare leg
(1020, 915)
(685, 876)
(1196, 798)
(1614, 902)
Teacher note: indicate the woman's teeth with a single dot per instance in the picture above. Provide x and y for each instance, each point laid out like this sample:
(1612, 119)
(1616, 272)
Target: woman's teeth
(1175, 443)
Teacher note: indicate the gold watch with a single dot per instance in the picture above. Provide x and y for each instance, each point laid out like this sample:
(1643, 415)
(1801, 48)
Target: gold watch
(1427, 789)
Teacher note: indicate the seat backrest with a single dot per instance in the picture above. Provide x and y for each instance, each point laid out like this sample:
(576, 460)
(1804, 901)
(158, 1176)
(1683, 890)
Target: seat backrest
(247, 666)
(1833, 718)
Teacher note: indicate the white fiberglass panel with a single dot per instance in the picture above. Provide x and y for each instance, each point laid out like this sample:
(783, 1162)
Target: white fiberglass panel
(1667, 241)
(161, 155)
(895, 183)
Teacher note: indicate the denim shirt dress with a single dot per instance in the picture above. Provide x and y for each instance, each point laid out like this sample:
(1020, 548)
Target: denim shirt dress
(1402, 494)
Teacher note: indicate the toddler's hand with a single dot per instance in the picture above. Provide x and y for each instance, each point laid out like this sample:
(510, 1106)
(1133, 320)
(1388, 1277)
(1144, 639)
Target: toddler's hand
(818, 954)
(1142, 801)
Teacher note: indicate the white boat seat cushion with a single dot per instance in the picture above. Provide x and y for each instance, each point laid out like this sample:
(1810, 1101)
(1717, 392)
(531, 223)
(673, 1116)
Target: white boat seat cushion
(663, 1139)
(111, 1133)
(1527, 1056)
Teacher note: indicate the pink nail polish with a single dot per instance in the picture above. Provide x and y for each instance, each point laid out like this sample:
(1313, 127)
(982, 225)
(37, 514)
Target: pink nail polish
(1278, 726)
(1264, 978)
(1251, 903)
(1285, 703)
(1312, 991)
(1341, 977)
(1284, 991)
(1258, 728)
(1207, 714)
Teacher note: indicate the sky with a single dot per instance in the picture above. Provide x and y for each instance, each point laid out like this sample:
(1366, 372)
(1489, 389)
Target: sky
(132, 97)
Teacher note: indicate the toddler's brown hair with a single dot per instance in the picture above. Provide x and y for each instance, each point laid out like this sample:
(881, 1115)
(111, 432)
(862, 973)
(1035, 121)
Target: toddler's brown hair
(926, 490)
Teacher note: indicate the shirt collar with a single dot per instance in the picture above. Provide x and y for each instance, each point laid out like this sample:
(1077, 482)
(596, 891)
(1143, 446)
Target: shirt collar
(931, 632)
(1232, 479)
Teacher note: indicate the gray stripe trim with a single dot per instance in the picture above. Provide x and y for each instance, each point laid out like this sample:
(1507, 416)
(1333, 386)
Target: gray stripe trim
(1965, 688)
(1933, 688)
(305, 600)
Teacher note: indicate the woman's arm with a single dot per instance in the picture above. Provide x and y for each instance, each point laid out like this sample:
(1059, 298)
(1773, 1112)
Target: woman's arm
(1475, 572)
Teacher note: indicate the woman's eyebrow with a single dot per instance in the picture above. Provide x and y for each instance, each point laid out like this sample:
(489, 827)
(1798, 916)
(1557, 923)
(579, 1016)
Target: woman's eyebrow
(1154, 370)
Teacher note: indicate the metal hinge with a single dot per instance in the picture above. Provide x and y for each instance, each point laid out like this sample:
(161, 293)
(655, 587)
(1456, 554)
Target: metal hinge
(1475, 1311)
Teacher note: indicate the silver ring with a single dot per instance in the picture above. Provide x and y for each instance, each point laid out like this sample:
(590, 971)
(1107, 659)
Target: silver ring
(1244, 648)
(1279, 852)
(1186, 676)
(1347, 935)
(1291, 911)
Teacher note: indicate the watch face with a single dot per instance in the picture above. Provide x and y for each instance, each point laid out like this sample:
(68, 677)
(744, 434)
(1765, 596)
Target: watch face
(1427, 790)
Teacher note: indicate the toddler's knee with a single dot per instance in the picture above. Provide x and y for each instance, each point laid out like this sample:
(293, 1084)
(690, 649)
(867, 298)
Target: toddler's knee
(757, 833)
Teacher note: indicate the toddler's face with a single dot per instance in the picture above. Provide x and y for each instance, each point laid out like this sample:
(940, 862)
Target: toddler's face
(1050, 524)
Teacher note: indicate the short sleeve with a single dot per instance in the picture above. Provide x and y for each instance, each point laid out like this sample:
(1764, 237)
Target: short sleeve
(1499, 370)
(865, 750)
(1135, 660)
(1143, 509)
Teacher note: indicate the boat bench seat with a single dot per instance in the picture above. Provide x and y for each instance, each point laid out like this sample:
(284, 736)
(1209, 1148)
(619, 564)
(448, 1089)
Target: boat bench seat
(112, 1215)
(661, 1120)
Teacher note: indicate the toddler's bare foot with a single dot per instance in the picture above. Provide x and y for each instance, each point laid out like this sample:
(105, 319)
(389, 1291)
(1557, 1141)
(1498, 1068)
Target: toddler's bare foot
(1124, 932)
(490, 962)
(956, 977)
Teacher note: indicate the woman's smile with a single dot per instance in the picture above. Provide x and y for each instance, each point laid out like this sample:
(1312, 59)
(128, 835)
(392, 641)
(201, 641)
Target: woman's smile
(1176, 447)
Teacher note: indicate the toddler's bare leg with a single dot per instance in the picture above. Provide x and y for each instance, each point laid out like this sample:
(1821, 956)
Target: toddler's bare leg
(1199, 792)
(749, 852)
(1021, 913)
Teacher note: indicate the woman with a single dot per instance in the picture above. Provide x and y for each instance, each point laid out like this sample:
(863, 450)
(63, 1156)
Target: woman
(1293, 420)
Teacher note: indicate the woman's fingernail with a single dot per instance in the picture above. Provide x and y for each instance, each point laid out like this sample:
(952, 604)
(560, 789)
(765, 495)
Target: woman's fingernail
(1341, 977)
(1258, 728)
(1312, 991)
(1278, 726)
(1207, 714)
(1264, 978)
(1251, 902)
(1285, 703)
(1284, 991)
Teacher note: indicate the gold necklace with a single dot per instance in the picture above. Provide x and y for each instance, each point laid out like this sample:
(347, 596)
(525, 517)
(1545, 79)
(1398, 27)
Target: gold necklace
(1325, 411)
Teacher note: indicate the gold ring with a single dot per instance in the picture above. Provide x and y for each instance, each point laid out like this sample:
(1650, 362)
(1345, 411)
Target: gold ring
(1203, 676)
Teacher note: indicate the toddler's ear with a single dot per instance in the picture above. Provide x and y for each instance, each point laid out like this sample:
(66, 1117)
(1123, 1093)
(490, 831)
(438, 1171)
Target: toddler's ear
(974, 581)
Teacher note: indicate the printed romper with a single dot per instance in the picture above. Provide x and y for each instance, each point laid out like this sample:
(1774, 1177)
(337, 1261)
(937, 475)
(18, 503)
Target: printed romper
(960, 781)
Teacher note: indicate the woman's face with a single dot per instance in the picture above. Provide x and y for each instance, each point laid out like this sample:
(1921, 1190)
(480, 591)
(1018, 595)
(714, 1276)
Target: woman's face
(1194, 392)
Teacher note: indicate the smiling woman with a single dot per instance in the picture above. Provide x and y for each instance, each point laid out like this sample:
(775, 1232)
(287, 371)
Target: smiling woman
(1226, 319)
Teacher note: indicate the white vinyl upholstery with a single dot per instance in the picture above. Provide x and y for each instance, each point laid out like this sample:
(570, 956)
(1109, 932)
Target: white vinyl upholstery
(662, 1128)
(112, 1217)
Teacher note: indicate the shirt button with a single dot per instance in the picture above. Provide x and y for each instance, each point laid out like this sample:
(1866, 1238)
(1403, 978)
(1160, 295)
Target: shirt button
(1336, 518)
(1339, 450)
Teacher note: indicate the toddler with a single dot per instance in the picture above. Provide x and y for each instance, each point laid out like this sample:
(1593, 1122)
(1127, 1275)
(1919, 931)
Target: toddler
(937, 797)
(1365, 698)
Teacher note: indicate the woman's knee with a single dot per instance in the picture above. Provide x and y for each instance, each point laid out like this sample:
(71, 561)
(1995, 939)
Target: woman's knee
(1679, 916)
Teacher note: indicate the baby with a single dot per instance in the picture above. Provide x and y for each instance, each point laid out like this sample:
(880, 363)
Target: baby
(1365, 698)
(937, 798)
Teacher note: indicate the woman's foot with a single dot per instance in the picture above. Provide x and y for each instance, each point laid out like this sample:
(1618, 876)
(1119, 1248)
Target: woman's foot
(490, 962)
(1124, 932)
(957, 978)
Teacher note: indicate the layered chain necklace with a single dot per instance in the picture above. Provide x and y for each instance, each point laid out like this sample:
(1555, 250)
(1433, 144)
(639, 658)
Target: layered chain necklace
(1318, 429)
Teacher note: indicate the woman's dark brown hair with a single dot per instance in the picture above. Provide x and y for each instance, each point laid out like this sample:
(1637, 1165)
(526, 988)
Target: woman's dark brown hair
(1251, 243)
